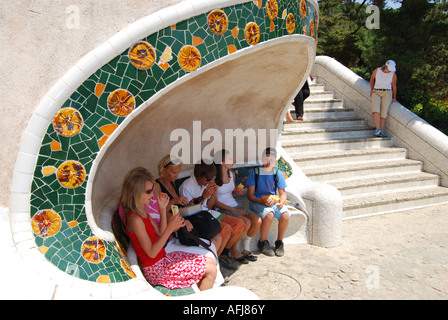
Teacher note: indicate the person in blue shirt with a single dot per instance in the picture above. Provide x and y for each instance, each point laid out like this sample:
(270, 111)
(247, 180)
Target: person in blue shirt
(262, 187)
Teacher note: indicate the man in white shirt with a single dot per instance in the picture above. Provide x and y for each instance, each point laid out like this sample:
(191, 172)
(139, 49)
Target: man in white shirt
(201, 188)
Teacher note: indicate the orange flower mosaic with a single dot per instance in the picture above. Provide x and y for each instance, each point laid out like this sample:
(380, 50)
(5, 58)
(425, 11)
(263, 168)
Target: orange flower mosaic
(93, 250)
(142, 55)
(46, 223)
(189, 58)
(312, 30)
(252, 33)
(71, 174)
(290, 23)
(272, 9)
(303, 8)
(68, 122)
(218, 22)
(127, 268)
(121, 102)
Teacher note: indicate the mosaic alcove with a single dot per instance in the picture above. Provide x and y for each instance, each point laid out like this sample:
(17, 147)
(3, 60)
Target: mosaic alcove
(244, 58)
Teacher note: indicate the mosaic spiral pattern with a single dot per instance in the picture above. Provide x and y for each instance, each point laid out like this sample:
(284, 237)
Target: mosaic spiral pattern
(108, 96)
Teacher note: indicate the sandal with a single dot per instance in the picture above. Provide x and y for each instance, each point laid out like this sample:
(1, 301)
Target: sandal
(242, 260)
(251, 257)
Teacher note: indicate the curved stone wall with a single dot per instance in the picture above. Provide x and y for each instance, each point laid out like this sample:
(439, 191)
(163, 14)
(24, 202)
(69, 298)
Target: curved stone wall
(144, 66)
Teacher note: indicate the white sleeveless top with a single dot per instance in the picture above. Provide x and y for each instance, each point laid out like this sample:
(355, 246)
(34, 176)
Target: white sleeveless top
(383, 80)
(225, 193)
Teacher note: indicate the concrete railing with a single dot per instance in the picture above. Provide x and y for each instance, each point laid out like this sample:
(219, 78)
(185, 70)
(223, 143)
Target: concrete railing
(423, 141)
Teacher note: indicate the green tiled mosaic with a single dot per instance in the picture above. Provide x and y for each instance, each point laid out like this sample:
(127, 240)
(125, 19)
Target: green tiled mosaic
(59, 183)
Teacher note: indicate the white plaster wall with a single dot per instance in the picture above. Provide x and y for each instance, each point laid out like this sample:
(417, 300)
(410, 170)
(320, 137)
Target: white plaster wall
(37, 48)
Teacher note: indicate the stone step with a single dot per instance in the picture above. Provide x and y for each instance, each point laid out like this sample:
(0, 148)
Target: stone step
(322, 113)
(317, 87)
(321, 104)
(384, 183)
(308, 159)
(387, 202)
(300, 145)
(327, 173)
(326, 123)
(320, 95)
(327, 133)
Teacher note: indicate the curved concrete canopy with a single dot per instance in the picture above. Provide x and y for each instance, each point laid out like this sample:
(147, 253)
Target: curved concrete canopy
(248, 90)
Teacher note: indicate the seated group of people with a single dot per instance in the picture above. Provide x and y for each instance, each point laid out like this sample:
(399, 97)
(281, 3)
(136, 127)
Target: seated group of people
(146, 204)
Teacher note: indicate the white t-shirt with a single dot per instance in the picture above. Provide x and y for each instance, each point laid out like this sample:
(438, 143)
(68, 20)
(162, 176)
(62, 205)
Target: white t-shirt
(383, 80)
(225, 193)
(191, 189)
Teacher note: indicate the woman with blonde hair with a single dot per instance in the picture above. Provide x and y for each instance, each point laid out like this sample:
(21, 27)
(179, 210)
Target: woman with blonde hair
(172, 270)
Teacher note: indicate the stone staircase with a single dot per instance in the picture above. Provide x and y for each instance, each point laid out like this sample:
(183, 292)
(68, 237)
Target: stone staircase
(335, 146)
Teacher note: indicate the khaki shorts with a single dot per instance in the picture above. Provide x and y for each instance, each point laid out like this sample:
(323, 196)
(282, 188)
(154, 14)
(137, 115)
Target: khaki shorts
(381, 101)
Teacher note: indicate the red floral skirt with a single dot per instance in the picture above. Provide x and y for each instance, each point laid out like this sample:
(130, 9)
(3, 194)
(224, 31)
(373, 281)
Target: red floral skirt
(176, 270)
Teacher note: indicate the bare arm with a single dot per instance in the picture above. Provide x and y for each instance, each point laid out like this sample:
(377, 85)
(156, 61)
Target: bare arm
(372, 82)
(394, 87)
(136, 225)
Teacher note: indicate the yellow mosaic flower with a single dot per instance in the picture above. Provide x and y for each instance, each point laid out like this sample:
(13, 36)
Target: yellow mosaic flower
(71, 174)
(68, 122)
(290, 23)
(272, 9)
(142, 55)
(46, 223)
(93, 250)
(189, 58)
(252, 33)
(121, 102)
(218, 22)
(303, 8)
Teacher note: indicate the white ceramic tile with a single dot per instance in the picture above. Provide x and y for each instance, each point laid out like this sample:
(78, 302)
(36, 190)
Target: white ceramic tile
(120, 42)
(168, 16)
(17, 216)
(153, 23)
(185, 10)
(21, 182)
(30, 143)
(20, 227)
(60, 92)
(136, 31)
(24, 240)
(104, 53)
(25, 163)
(20, 207)
(201, 6)
(74, 78)
(89, 64)
(38, 125)
(47, 108)
(101, 291)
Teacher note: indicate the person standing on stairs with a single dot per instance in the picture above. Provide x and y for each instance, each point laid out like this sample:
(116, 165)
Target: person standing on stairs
(383, 90)
(298, 102)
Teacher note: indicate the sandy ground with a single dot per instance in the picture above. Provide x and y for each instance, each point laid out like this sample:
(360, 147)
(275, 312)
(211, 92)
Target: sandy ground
(396, 256)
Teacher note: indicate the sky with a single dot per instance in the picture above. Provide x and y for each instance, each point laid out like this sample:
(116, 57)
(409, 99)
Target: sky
(390, 4)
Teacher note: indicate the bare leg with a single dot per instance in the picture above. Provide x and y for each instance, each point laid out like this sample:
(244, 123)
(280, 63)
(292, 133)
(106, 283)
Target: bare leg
(265, 225)
(283, 225)
(209, 276)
